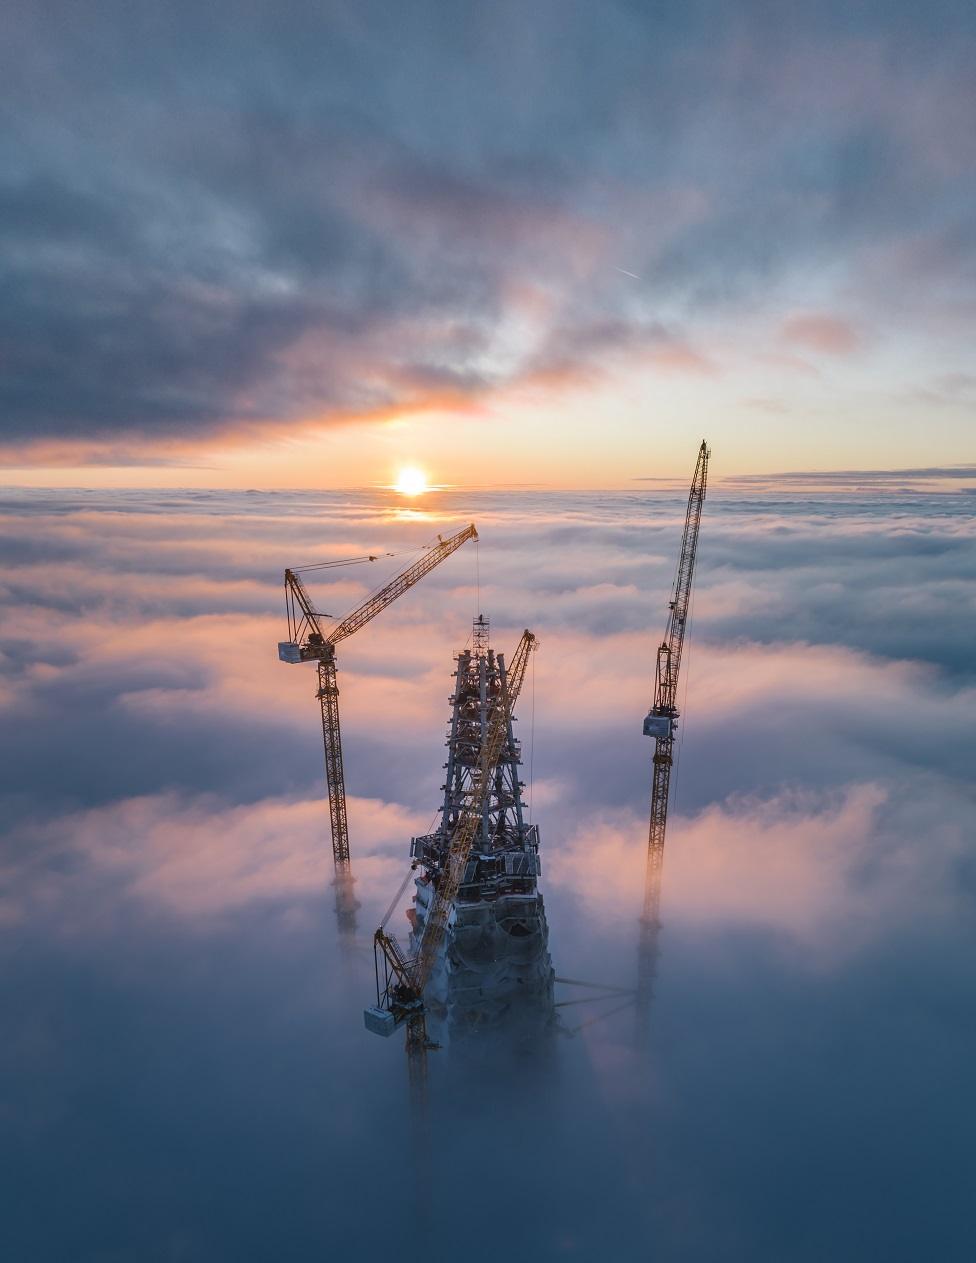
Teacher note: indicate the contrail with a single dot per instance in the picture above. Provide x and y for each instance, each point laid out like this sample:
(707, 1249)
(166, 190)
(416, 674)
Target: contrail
(626, 273)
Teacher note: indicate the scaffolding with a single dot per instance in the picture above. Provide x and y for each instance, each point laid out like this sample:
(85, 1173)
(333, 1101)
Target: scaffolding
(495, 963)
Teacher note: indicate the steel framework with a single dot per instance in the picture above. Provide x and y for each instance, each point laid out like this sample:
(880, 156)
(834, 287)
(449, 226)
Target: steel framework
(505, 848)
(496, 969)
(400, 979)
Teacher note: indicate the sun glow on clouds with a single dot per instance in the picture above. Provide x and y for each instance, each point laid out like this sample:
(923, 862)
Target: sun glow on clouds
(774, 837)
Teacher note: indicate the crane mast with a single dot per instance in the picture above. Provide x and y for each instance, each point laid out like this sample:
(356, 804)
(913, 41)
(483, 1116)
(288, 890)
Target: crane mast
(661, 723)
(308, 641)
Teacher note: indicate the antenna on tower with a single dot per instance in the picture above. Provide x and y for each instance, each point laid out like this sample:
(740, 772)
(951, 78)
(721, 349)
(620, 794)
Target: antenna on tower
(479, 636)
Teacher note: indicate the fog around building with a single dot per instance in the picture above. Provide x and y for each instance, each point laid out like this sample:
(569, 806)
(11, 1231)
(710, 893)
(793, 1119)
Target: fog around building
(187, 1073)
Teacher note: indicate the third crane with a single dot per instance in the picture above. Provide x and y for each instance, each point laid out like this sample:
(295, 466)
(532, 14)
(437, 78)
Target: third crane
(660, 723)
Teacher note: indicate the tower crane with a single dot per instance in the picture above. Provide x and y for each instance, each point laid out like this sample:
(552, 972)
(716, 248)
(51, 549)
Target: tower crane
(400, 986)
(661, 723)
(309, 642)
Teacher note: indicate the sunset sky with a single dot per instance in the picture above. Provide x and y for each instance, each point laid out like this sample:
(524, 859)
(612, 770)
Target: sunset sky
(290, 282)
(301, 245)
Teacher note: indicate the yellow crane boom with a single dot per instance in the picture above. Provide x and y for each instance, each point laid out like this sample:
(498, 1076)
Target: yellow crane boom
(308, 641)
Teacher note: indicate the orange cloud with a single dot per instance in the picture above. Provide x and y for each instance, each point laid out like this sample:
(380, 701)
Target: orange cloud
(819, 332)
(788, 863)
(200, 858)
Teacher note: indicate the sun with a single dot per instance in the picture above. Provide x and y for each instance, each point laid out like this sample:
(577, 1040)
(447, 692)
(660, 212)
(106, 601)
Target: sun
(411, 481)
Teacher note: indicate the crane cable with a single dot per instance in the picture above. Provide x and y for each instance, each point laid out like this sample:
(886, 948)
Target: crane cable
(403, 885)
(388, 577)
(345, 561)
(532, 742)
(383, 582)
(358, 561)
(396, 898)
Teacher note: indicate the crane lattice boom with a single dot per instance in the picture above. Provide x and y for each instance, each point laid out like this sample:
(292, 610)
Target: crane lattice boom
(398, 585)
(309, 642)
(305, 632)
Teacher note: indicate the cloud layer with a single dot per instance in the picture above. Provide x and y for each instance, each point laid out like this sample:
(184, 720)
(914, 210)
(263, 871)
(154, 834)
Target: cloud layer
(219, 219)
(173, 970)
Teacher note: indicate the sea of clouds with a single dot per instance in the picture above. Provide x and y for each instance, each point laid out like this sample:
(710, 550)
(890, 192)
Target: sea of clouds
(185, 1061)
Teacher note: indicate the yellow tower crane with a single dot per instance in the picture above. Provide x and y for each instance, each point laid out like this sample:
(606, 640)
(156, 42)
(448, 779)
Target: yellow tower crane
(309, 642)
(660, 723)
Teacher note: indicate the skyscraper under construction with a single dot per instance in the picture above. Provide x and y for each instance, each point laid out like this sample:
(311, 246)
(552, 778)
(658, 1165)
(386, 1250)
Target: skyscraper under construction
(494, 971)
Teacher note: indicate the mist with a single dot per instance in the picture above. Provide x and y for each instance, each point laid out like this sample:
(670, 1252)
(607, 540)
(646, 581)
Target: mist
(186, 1072)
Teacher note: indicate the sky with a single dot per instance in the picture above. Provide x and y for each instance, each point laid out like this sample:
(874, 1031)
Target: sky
(256, 260)
(300, 245)
(185, 1075)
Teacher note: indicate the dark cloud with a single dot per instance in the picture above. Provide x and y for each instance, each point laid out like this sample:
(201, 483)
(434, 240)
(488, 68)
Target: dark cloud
(249, 214)
(843, 479)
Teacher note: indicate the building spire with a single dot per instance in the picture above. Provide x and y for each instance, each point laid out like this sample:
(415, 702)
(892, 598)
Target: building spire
(479, 636)
(497, 958)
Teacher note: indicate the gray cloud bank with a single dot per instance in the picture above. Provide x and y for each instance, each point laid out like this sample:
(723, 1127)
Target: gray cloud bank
(240, 213)
(919, 478)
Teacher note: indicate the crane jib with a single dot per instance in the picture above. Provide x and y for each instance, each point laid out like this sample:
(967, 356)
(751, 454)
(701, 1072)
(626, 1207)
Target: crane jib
(308, 641)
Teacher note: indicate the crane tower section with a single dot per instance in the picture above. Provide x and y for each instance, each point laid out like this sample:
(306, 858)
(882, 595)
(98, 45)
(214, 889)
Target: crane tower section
(661, 723)
(662, 720)
(494, 966)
